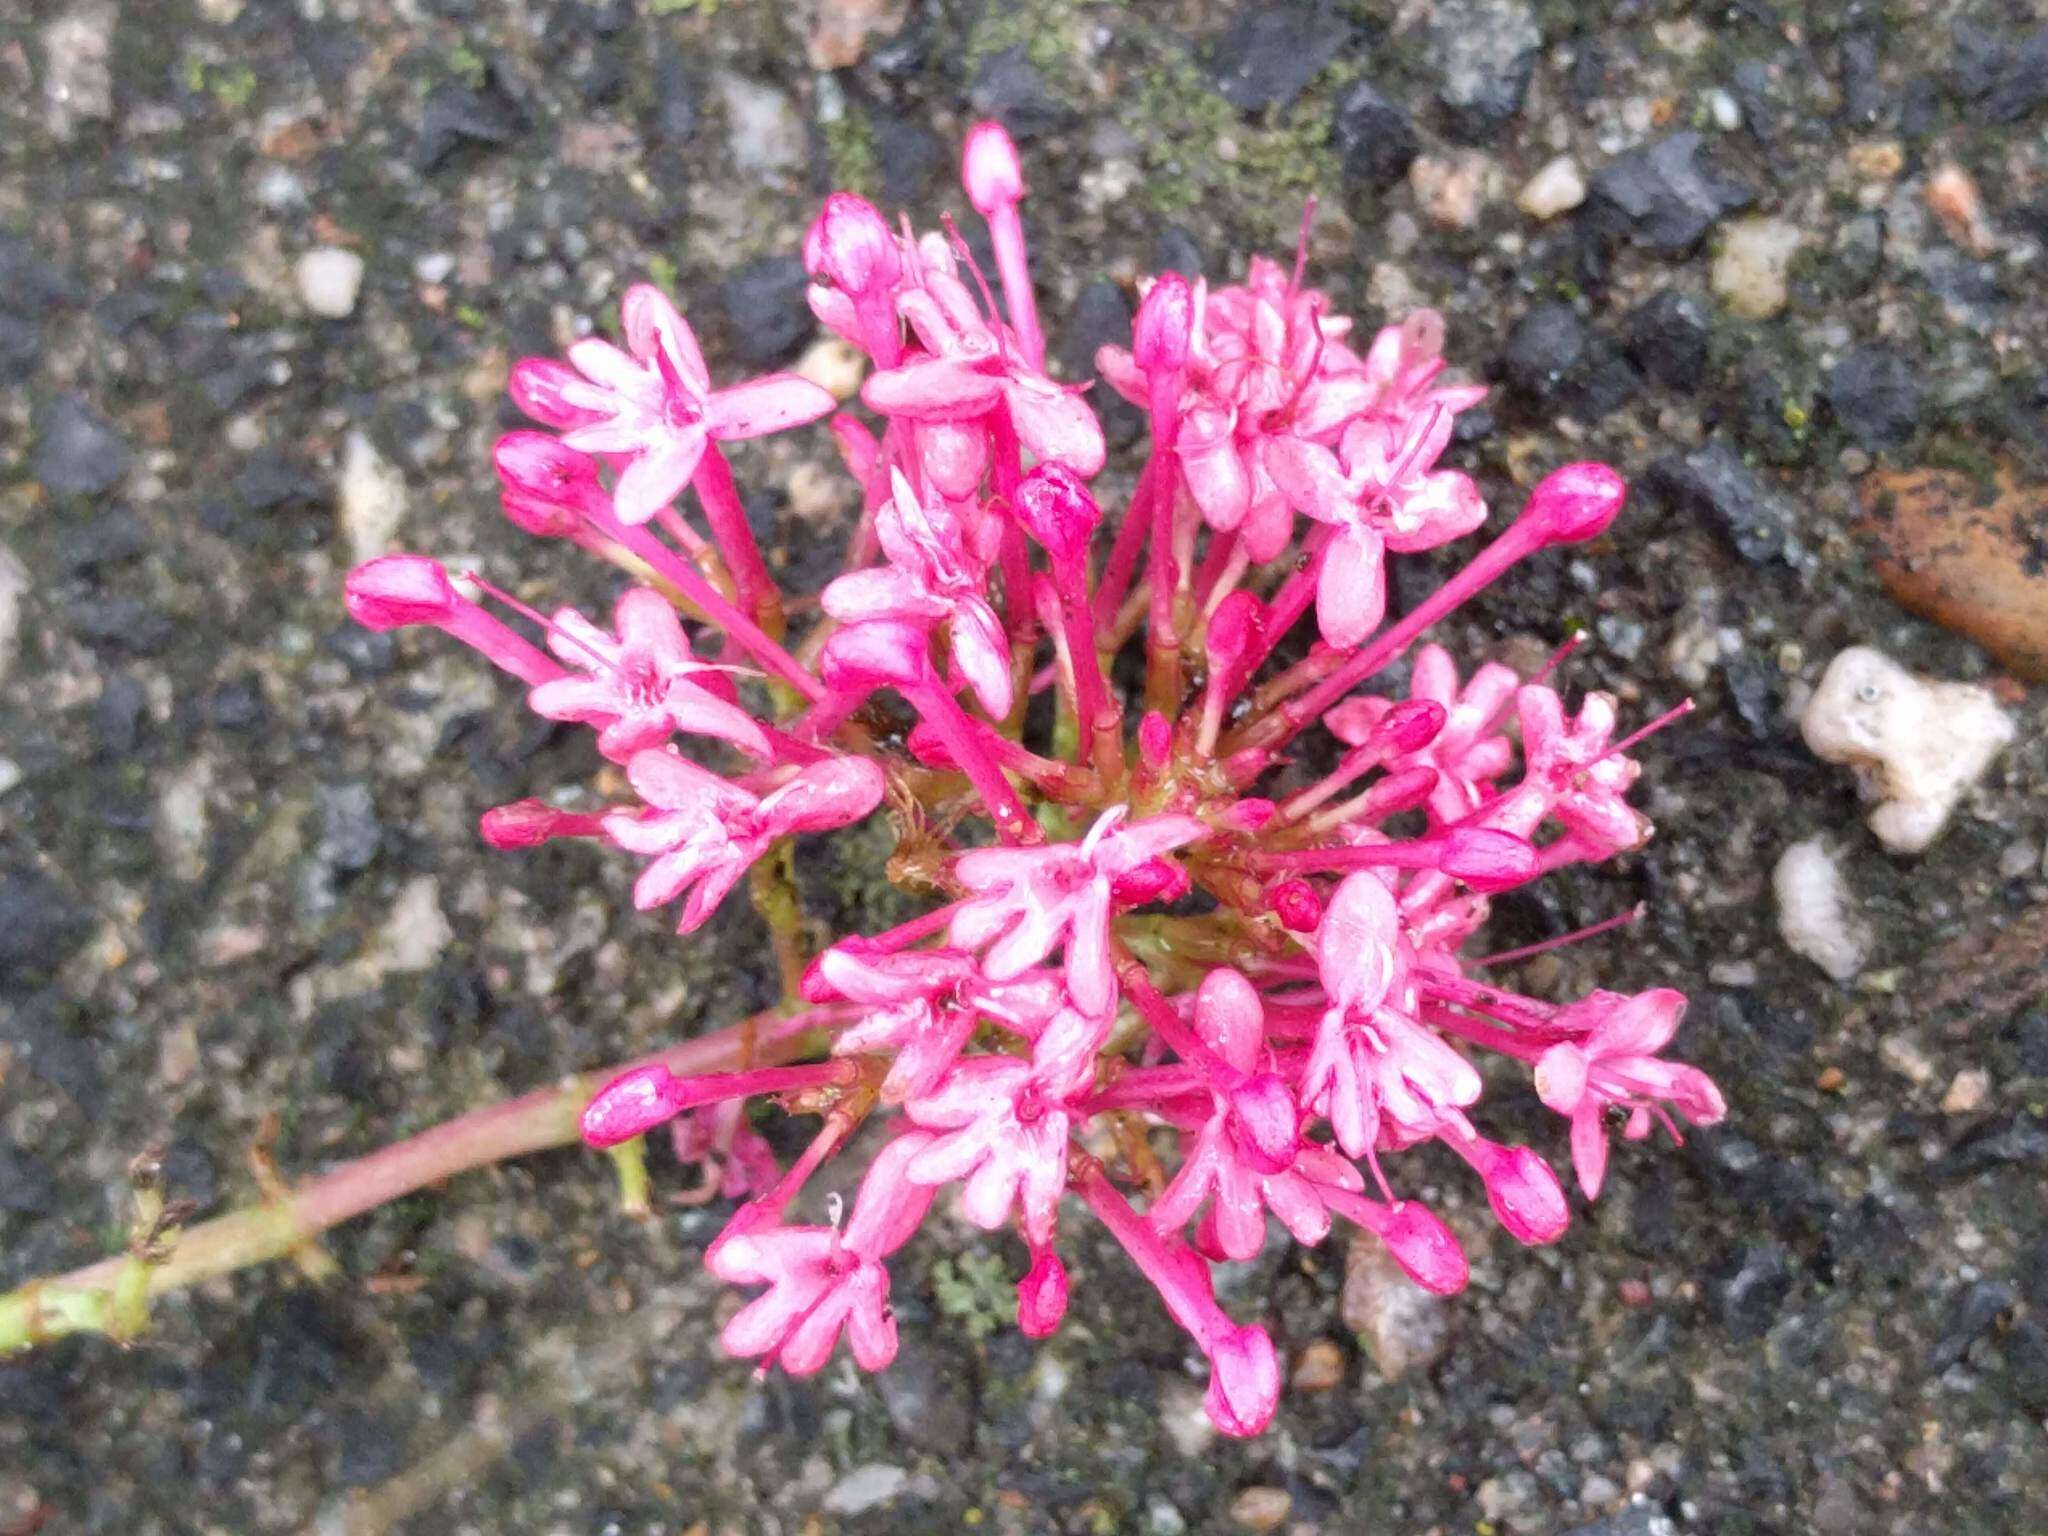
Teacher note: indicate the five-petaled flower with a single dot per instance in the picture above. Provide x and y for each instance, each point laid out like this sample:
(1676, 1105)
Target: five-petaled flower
(1027, 900)
(1615, 1063)
(651, 405)
(937, 572)
(642, 685)
(703, 832)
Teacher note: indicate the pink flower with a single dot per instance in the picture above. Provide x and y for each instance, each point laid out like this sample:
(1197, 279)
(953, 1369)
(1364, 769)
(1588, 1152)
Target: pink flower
(1026, 900)
(703, 832)
(1243, 1157)
(926, 1002)
(652, 404)
(641, 686)
(935, 574)
(1615, 1063)
(1572, 772)
(1467, 752)
(1379, 1077)
(822, 1281)
(1001, 1130)
(972, 365)
(1384, 494)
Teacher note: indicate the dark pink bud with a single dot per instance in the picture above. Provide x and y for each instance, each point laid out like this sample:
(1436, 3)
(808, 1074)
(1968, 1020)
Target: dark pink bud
(522, 824)
(1244, 1383)
(1155, 739)
(1412, 724)
(1249, 815)
(1234, 628)
(1489, 860)
(1265, 1123)
(1042, 1295)
(632, 1104)
(850, 243)
(990, 169)
(395, 590)
(1294, 903)
(544, 484)
(1425, 1248)
(1401, 791)
(1164, 328)
(1576, 502)
(1056, 509)
(1524, 1194)
(929, 747)
(1153, 880)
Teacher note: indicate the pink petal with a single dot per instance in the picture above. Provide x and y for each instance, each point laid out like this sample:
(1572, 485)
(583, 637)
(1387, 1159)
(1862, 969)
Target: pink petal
(657, 477)
(982, 654)
(1216, 478)
(610, 369)
(674, 783)
(1055, 424)
(772, 404)
(1351, 590)
(1308, 475)
(1229, 1017)
(1355, 945)
(652, 323)
(701, 714)
(1589, 1148)
(880, 592)
(933, 389)
(539, 386)
(646, 621)
(825, 795)
(1445, 506)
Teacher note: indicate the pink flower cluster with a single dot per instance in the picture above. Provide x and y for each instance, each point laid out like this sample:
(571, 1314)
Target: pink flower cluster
(1166, 969)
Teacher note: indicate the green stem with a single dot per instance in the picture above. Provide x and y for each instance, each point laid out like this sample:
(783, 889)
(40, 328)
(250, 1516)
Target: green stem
(103, 1297)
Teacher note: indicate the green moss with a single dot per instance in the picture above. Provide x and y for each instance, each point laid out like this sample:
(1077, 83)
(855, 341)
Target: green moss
(1044, 29)
(974, 1290)
(850, 148)
(1274, 161)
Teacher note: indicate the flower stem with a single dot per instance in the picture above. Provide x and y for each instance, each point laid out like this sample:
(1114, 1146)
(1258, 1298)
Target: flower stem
(97, 1299)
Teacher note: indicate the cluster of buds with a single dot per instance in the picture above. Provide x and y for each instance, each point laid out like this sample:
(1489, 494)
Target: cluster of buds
(1165, 968)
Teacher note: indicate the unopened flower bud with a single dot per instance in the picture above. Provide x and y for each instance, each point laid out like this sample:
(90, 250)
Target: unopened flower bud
(1412, 724)
(1248, 815)
(526, 824)
(1155, 739)
(1244, 1383)
(990, 169)
(1425, 1248)
(1524, 1193)
(1576, 502)
(395, 590)
(1055, 507)
(1165, 323)
(850, 243)
(1042, 1296)
(544, 484)
(1294, 903)
(1489, 860)
(1234, 628)
(1265, 1123)
(632, 1104)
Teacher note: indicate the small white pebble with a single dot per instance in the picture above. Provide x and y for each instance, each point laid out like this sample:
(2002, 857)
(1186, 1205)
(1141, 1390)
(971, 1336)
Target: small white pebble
(1915, 745)
(1722, 107)
(370, 498)
(1967, 1092)
(1816, 917)
(329, 281)
(1558, 188)
(1752, 267)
